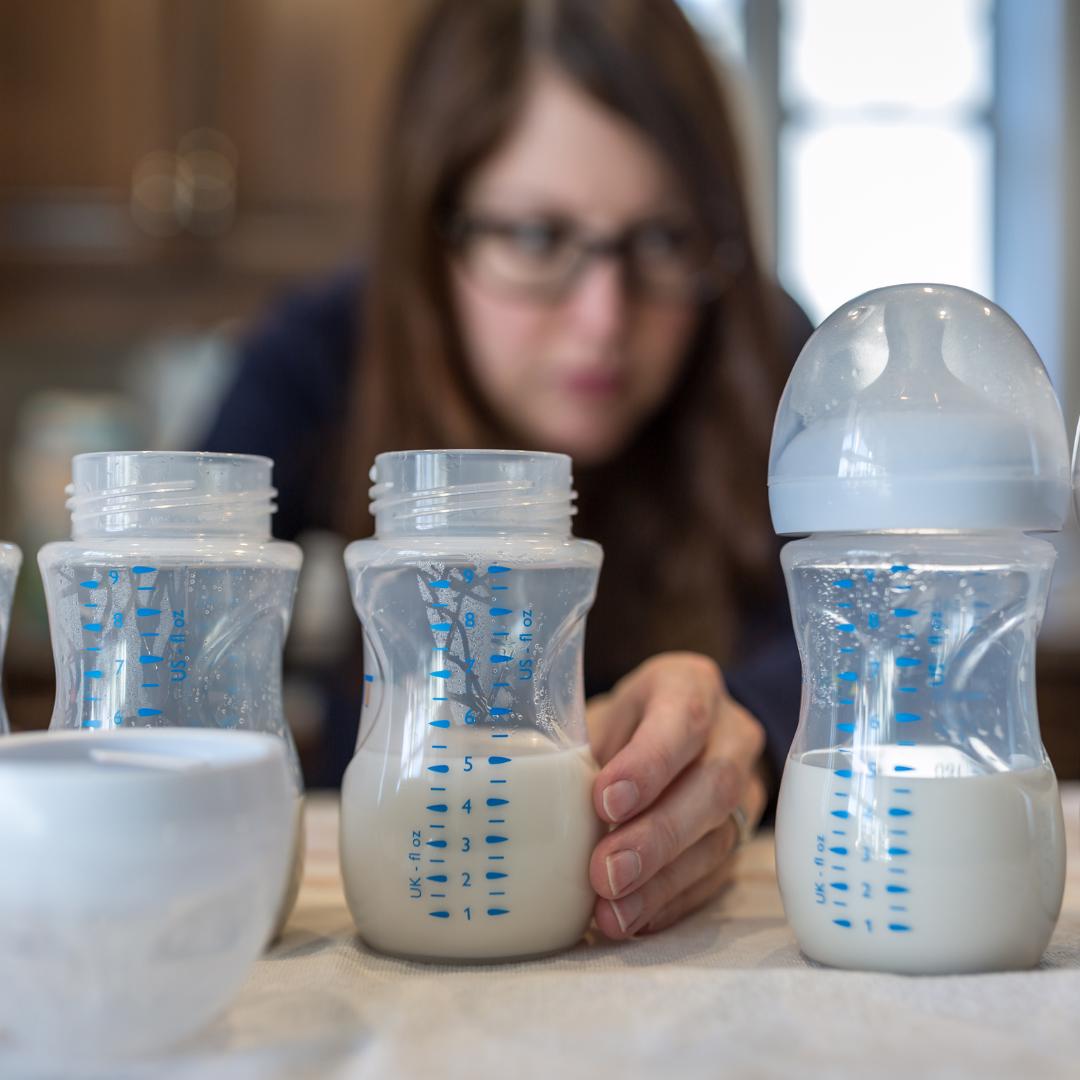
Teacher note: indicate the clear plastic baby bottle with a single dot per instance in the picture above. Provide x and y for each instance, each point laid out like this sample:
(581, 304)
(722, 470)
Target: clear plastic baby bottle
(10, 561)
(467, 820)
(170, 604)
(919, 826)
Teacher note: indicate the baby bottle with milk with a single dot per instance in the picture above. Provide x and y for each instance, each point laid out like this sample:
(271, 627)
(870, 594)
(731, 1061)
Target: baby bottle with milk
(919, 826)
(467, 820)
(10, 560)
(170, 604)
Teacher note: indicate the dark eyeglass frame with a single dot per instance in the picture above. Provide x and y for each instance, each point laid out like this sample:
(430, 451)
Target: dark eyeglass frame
(707, 282)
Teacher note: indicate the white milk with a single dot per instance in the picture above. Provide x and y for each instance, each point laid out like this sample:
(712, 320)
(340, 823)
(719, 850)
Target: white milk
(502, 871)
(932, 866)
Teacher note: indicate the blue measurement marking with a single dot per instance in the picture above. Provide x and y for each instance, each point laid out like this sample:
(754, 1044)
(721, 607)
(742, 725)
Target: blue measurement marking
(442, 673)
(440, 699)
(846, 628)
(494, 759)
(839, 832)
(499, 634)
(88, 584)
(898, 907)
(840, 869)
(496, 781)
(148, 712)
(906, 742)
(897, 851)
(498, 569)
(147, 612)
(908, 717)
(847, 649)
(898, 928)
(845, 773)
(839, 850)
(439, 768)
(441, 878)
(846, 604)
(498, 612)
(896, 888)
(494, 838)
(496, 821)
(905, 612)
(907, 661)
(498, 911)
(500, 735)
(908, 689)
(439, 723)
(439, 914)
(497, 858)
(437, 789)
(499, 588)
(91, 723)
(842, 922)
(436, 843)
(873, 620)
(903, 768)
(500, 710)
(440, 604)
(95, 674)
(840, 813)
(145, 588)
(369, 678)
(935, 639)
(844, 583)
(845, 727)
(498, 802)
(89, 699)
(90, 604)
(441, 627)
(150, 633)
(434, 860)
(144, 569)
(900, 568)
(438, 746)
(899, 811)
(93, 627)
(495, 875)
(92, 648)
(438, 808)
(438, 896)
(906, 637)
(840, 886)
(846, 701)
(150, 685)
(841, 794)
(902, 790)
(848, 676)
(150, 658)
(499, 658)
(440, 584)
(496, 892)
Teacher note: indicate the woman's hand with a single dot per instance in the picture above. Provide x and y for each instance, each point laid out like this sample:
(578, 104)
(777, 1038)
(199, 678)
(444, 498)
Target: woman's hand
(677, 755)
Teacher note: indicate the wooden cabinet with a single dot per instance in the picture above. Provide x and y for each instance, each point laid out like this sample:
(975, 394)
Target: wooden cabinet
(231, 137)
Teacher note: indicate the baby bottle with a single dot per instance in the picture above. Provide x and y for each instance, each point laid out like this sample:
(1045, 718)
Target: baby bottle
(467, 820)
(919, 827)
(10, 560)
(170, 604)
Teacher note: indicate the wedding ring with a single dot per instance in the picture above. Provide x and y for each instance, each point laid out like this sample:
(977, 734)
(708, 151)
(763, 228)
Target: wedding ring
(742, 825)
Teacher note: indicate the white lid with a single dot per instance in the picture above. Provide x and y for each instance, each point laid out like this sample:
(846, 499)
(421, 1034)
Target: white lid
(918, 407)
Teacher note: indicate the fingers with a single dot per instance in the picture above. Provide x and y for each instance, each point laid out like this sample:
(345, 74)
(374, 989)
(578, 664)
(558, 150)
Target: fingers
(698, 801)
(700, 871)
(699, 894)
(670, 705)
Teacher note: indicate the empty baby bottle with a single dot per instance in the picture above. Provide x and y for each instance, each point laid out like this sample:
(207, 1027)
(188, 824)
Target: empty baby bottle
(467, 820)
(919, 826)
(10, 560)
(170, 604)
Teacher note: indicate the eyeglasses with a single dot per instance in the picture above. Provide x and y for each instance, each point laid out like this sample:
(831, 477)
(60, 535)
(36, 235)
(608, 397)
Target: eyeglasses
(543, 258)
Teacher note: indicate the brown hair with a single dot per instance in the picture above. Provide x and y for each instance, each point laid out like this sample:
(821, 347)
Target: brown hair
(682, 512)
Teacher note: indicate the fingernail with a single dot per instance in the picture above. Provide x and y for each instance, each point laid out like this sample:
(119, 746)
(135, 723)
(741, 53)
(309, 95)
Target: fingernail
(628, 910)
(623, 869)
(620, 798)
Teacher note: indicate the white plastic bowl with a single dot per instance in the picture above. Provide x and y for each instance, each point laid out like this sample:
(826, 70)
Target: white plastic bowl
(140, 873)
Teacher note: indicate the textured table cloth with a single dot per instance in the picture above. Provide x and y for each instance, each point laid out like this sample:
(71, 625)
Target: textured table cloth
(726, 993)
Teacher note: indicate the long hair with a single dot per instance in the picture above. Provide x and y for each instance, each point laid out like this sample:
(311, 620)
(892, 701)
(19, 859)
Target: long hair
(682, 512)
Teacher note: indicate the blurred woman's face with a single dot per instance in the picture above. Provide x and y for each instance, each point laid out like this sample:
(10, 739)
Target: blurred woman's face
(573, 252)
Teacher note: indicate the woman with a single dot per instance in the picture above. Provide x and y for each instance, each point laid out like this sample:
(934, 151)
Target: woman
(562, 260)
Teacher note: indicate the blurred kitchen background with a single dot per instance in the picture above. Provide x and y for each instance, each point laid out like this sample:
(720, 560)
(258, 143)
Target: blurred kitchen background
(168, 167)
